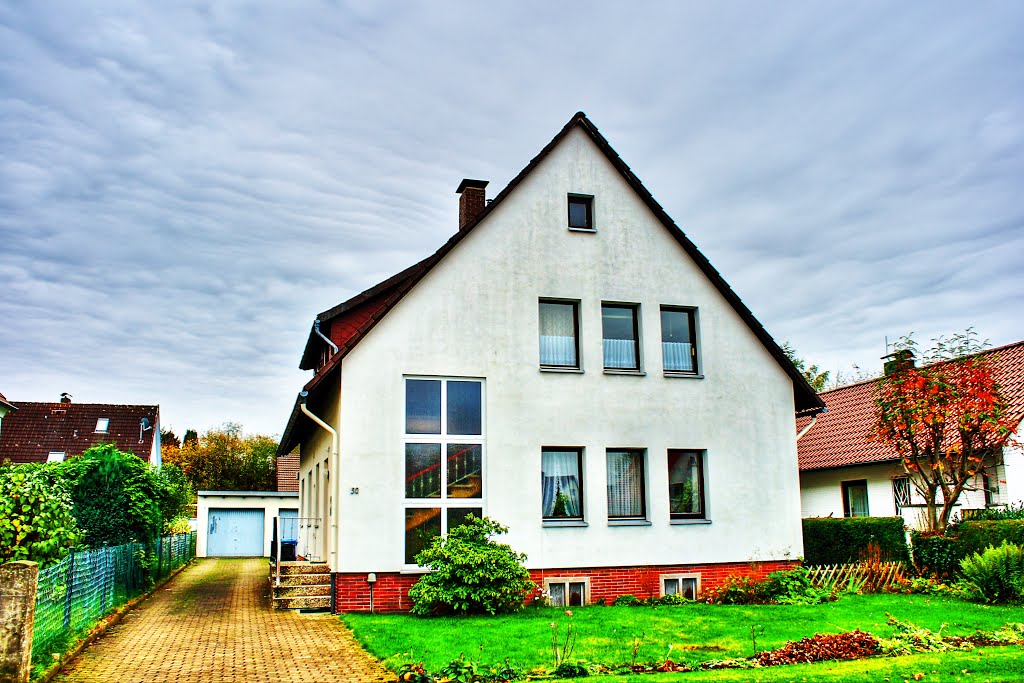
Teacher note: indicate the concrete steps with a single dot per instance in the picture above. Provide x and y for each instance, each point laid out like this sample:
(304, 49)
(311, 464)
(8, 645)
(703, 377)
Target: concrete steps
(303, 586)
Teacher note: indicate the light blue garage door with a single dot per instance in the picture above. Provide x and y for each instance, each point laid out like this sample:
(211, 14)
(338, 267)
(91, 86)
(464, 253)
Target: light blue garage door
(235, 533)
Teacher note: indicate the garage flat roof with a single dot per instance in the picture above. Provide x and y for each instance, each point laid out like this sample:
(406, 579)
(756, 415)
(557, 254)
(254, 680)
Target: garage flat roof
(253, 494)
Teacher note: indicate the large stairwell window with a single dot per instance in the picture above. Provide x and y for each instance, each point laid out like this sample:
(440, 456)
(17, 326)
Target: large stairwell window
(444, 457)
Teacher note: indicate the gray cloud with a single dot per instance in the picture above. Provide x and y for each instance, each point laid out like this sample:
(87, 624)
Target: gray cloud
(183, 187)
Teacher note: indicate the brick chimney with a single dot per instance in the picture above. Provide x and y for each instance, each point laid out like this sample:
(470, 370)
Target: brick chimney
(65, 397)
(900, 360)
(471, 200)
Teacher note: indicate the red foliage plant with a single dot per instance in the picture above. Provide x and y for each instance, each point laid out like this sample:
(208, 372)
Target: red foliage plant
(946, 421)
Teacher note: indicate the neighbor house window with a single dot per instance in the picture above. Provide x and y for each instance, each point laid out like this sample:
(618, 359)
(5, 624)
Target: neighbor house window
(561, 477)
(687, 585)
(444, 452)
(581, 212)
(568, 592)
(559, 334)
(626, 496)
(679, 339)
(102, 424)
(901, 493)
(56, 456)
(621, 336)
(686, 484)
(855, 498)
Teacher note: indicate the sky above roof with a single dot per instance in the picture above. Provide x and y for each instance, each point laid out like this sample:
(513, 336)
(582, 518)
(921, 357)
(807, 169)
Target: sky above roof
(183, 186)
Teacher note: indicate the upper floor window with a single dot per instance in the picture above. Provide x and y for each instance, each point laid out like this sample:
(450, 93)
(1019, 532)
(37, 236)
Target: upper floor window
(444, 454)
(581, 212)
(562, 483)
(621, 336)
(102, 424)
(679, 339)
(626, 487)
(559, 334)
(686, 484)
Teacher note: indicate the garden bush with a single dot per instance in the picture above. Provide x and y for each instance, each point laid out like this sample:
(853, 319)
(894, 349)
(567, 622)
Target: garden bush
(936, 555)
(35, 514)
(975, 536)
(997, 574)
(117, 497)
(785, 587)
(829, 540)
(470, 573)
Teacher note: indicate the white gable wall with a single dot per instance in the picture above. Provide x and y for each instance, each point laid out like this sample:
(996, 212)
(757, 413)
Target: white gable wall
(476, 315)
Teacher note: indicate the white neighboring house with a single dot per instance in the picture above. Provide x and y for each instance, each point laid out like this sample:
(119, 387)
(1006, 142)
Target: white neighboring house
(568, 364)
(842, 473)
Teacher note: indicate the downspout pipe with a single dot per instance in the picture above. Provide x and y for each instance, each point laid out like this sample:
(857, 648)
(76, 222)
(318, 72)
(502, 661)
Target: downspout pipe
(809, 425)
(333, 473)
(316, 328)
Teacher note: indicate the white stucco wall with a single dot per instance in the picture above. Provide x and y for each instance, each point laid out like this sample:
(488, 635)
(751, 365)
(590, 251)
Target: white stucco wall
(476, 315)
(821, 490)
(269, 501)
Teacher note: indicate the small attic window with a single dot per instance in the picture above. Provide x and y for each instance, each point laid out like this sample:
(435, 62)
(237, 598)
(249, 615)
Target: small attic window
(56, 456)
(102, 424)
(581, 212)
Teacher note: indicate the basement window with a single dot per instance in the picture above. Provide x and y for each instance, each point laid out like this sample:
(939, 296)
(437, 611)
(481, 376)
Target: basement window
(102, 424)
(568, 591)
(687, 585)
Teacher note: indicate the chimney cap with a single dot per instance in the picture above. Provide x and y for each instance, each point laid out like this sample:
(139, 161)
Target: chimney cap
(470, 182)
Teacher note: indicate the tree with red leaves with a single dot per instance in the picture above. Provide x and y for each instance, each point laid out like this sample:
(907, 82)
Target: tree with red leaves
(947, 420)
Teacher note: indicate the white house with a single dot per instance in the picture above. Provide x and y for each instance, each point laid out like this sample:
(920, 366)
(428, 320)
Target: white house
(842, 473)
(568, 364)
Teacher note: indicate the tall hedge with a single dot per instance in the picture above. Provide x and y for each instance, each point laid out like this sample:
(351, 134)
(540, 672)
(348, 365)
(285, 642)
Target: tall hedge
(976, 536)
(829, 540)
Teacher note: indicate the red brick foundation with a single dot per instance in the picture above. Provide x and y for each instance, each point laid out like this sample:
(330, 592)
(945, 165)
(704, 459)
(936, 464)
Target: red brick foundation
(391, 591)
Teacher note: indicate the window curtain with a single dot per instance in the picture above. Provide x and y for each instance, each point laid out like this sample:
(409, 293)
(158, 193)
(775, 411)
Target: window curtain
(625, 484)
(557, 335)
(620, 353)
(678, 356)
(560, 482)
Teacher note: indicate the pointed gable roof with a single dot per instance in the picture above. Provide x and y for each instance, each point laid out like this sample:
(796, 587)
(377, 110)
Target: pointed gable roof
(387, 294)
(839, 436)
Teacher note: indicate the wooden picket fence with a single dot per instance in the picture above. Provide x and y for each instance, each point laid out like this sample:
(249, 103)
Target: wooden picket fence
(867, 577)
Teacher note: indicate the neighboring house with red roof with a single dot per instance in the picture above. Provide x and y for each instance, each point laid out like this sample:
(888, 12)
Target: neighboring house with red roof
(288, 473)
(569, 364)
(842, 473)
(51, 432)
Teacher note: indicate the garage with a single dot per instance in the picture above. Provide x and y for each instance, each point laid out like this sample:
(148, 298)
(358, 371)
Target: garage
(240, 523)
(235, 533)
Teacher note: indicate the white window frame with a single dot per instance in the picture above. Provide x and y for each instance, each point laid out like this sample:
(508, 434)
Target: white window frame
(444, 439)
(102, 425)
(680, 577)
(56, 456)
(565, 581)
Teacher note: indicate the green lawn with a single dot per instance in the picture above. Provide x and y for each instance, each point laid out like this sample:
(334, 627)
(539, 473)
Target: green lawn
(697, 633)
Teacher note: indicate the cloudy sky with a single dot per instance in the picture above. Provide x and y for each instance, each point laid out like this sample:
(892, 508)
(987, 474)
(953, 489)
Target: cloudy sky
(183, 186)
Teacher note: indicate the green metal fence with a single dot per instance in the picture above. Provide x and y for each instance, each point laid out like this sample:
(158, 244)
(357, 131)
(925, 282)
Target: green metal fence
(76, 593)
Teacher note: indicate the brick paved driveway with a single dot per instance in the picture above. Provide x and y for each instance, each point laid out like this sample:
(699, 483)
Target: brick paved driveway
(213, 622)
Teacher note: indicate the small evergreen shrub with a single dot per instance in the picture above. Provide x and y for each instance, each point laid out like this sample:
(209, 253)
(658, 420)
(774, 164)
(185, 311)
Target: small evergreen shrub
(936, 555)
(829, 540)
(470, 573)
(997, 574)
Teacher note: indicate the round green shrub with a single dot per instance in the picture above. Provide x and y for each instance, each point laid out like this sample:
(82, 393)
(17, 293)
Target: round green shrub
(470, 573)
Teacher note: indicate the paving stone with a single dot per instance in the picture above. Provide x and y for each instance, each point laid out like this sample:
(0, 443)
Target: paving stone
(214, 623)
